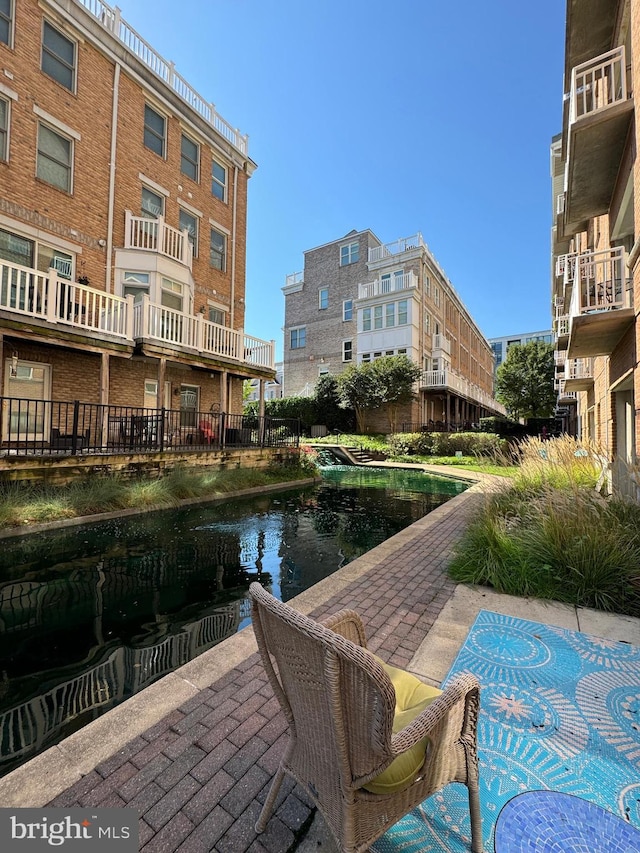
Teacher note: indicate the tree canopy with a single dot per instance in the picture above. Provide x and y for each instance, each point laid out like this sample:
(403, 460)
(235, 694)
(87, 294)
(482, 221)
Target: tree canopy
(524, 382)
(386, 382)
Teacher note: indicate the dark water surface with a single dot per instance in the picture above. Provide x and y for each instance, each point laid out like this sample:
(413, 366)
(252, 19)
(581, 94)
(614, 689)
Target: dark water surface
(90, 615)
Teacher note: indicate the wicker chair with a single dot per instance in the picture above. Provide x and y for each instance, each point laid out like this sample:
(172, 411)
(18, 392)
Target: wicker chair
(340, 703)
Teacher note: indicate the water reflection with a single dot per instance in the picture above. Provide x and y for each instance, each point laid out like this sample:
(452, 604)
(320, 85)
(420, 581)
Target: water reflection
(91, 615)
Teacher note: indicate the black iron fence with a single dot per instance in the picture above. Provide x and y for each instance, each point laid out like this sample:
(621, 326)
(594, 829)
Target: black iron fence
(70, 428)
(440, 426)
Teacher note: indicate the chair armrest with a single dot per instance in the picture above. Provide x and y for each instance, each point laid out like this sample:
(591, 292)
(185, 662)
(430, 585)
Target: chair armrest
(463, 688)
(349, 625)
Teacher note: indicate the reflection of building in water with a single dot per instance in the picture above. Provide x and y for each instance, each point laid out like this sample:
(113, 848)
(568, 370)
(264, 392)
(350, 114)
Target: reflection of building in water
(27, 727)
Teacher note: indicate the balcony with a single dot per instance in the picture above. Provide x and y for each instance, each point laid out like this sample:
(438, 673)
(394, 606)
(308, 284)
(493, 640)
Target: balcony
(565, 396)
(600, 310)
(160, 325)
(440, 345)
(293, 283)
(447, 380)
(154, 235)
(600, 111)
(49, 301)
(386, 285)
(579, 374)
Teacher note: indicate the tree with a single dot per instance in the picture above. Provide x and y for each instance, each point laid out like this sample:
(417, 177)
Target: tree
(359, 390)
(397, 375)
(386, 382)
(524, 383)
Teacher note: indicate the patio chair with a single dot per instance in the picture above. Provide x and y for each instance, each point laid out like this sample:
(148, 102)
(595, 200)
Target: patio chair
(367, 741)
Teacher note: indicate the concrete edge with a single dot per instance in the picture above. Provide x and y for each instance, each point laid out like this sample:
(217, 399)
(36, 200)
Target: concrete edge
(47, 775)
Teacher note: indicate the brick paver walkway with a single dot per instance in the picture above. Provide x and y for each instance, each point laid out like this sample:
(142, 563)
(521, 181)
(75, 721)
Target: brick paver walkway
(198, 777)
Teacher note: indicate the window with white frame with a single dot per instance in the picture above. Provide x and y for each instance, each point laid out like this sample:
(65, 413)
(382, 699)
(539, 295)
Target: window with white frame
(217, 250)
(366, 319)
(135, 284)
(55, 158)
(152, 205)
(4, 128)
(218, 181)
(436, 295)
(150, 394)
(172, 294)
(298, 337)
(427, 323)
(403, 312)
(58, 56)
(366, 357)
(189, 223)
(347, 350)
(155, 130)
(377, 316)
(217, 315)
(189, 399)
(390, 314)
(349, 254)
(347, 310)
(6, 18)
(189, 158)
(323, 298)
(427, 284)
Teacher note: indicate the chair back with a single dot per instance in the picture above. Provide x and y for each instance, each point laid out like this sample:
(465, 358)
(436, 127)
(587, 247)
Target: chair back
(337, 697)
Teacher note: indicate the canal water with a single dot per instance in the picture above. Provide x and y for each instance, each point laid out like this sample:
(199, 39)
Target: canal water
(91, 615)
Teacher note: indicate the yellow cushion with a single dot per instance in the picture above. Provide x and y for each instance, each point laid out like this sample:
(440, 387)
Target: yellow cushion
(412, 697)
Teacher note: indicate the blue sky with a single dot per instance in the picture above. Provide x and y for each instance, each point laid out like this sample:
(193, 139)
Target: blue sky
(400, 117)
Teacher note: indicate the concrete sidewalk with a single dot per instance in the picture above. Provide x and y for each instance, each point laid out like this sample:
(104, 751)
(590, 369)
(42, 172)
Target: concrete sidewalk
(195, 752)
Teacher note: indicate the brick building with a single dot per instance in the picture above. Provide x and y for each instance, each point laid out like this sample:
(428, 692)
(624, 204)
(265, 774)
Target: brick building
(358, 299)
(122, 222)
(595, 248)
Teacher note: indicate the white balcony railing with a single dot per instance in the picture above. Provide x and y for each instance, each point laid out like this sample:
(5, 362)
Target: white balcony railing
(563, 394)
(44, 296)
(598, 84)
(566, 266)
(294, 278)
(155, 322)
(385, 285)
(580, 368)
(562, 326)
(441, 343)
(154, 235)
(560, 357)
(433, 379)
(112, 21)
(405, 244)
(601, 282)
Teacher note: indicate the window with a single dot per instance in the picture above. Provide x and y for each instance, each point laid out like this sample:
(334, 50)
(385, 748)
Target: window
(4, 128)
(189, 222)
(298, 337)
(347, 310)
(152, 204)
(189, 395)
(323, 298)
(403, 312)
(349, 254)
(150, 394)
(171, 295)
(427, 285)
(55, 154)
(427, 323)
(390, 314)
(135, 284)
(218, 181)
(16, 249)
(347, 350)
(58, 56)
(5, 21)
(189, 157)
(436, 295)
(366, 319)
(216, 315)
(366, 357)
(217, 253)
(154, 130)
(377, 316)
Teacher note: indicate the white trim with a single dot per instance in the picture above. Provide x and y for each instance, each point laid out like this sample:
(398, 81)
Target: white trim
(190, 208)
(54, 122)
(219, 227)
(152, 185)
(9, 93)
(72, 164)
(32, 233)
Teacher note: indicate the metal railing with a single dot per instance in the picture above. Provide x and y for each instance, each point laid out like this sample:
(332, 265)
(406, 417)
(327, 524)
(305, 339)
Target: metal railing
(599, 83)
(65, 428)
(441, 426)
(601, 282)
(447, 379)
(111, 20)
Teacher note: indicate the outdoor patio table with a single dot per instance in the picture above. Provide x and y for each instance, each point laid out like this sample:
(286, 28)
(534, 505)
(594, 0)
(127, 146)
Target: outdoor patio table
(552, 822)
